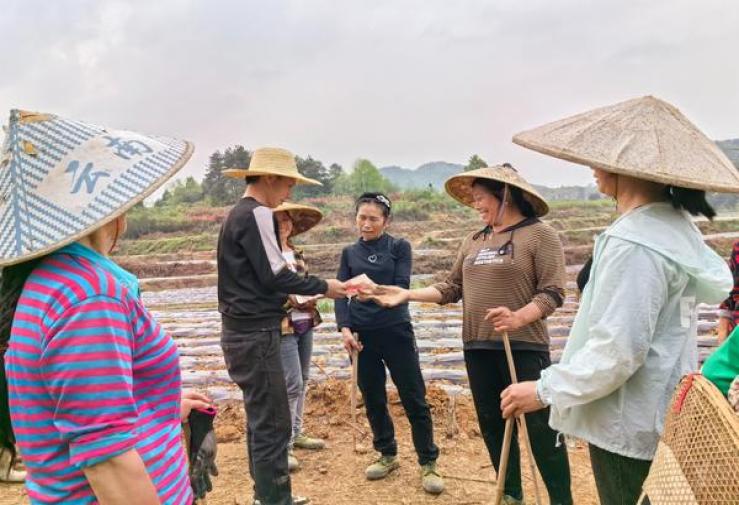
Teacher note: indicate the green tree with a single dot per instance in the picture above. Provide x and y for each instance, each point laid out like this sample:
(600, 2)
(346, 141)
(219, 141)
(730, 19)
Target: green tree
(218, 188)
(364, 177)
(335, 171)
(474, 163)
(185, 192)
(315, 170)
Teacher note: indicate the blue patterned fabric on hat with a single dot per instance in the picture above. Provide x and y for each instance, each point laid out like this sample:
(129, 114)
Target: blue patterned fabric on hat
(62, 179)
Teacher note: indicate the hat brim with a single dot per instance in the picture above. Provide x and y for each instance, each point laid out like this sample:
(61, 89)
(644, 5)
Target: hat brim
(303, 219)
(668, 179)
(644, 138)
(241, 173)
(459, 187)
(52, 218)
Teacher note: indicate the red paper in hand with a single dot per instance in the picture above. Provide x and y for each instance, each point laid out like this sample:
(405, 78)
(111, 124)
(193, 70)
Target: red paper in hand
(358, 283)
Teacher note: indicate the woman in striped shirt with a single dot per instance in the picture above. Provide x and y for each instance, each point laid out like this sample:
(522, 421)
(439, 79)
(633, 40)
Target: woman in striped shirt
(511, 276)
(93, 381)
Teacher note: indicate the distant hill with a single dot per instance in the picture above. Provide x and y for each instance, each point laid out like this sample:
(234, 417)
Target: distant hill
(588, 192)
(437, 172)
(434, 173)
(731, 148)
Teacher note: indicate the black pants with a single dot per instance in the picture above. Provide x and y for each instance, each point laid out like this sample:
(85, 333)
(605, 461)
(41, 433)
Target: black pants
(395, 347)
(254, 363)
(618, 478)
(488, 375)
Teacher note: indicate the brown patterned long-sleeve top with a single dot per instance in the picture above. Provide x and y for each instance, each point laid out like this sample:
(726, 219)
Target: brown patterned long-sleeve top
(514, 267)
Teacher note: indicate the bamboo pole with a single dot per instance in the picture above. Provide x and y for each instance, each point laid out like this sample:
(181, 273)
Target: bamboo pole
(355, 371)
(522, 419)
(504, 461)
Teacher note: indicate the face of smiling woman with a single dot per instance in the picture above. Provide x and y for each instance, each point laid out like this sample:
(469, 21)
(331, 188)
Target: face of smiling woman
(486, 205)
(371, 221)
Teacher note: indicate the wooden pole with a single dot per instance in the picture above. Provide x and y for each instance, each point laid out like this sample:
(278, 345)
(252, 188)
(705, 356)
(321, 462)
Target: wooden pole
(355, 371)
(503, 467)
(522, 419)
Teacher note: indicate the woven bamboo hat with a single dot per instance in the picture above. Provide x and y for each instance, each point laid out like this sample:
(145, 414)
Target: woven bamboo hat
(304, 217)
(272, 161)
(460, 186)
(645, 138)
(62, 179)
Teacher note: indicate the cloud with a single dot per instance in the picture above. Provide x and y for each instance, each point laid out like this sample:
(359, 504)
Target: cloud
(397, 81)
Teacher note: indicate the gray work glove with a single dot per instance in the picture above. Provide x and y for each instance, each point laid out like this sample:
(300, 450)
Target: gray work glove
(203, 449)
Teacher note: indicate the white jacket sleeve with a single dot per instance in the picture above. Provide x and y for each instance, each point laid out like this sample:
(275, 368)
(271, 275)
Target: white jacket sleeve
(629, 289)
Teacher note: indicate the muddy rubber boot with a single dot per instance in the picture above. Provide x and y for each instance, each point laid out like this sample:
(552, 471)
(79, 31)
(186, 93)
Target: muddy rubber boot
(7, 472)
(297, 500)
(292, 462)
(430, 479)
(303, 441)
(382, 467)
(510, 500)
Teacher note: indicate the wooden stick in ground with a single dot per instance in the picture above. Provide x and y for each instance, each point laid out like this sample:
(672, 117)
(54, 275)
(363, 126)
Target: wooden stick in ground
(355, 369)
(323, 370)
(522, 419)
(503, 467)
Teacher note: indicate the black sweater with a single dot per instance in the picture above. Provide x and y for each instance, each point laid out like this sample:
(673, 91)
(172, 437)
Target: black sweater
(253, 277)
(386, 260)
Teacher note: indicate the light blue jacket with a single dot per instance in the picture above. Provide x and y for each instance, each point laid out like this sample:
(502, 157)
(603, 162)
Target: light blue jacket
(634, 335)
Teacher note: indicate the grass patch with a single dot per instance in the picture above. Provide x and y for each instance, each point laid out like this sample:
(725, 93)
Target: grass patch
(180, 244)
(325, 305)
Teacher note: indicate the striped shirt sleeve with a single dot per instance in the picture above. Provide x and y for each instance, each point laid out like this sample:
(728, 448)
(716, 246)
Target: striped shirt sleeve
(87, 363)
(550, 272)
(451, 287)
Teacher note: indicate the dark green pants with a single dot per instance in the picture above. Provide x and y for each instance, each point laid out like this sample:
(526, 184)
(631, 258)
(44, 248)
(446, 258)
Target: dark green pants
(618, 478)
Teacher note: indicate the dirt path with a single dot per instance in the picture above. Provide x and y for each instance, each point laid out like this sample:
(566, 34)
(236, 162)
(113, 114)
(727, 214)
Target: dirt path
(335, 476)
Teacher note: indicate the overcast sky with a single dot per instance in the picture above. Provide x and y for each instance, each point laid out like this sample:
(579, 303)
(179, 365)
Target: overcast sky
(400, 82)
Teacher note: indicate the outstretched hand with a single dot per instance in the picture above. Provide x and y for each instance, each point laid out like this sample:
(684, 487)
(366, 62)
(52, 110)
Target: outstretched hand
(336, 289)
(386, 296)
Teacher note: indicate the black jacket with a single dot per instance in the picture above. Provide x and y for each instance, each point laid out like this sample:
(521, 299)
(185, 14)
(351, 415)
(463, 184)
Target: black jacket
(386, 260)
(253, 277)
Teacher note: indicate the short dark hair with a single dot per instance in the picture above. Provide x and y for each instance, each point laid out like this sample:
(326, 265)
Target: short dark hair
(692, 200)
(251, 179)
(379, 199)
(497, 188)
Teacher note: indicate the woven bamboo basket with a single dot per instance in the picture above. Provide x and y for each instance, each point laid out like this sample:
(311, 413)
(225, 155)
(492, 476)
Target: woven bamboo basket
(697, 459)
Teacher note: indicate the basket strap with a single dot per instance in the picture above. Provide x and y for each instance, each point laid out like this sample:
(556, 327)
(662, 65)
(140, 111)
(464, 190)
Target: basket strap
(687, 384)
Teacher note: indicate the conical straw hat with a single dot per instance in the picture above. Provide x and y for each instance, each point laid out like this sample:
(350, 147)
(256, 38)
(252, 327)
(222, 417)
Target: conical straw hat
(62, 179)
(645, 138)
(304, 217)
(460, 186)
(271, 161)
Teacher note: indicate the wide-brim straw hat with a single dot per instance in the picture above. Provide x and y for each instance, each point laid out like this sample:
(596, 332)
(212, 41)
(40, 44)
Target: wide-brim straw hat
(271, 161)
(62, 179)
(304, 217)
(646, 138)
(459, 186)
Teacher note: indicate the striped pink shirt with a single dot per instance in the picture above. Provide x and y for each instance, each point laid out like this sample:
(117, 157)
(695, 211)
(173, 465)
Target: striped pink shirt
(91, 375)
